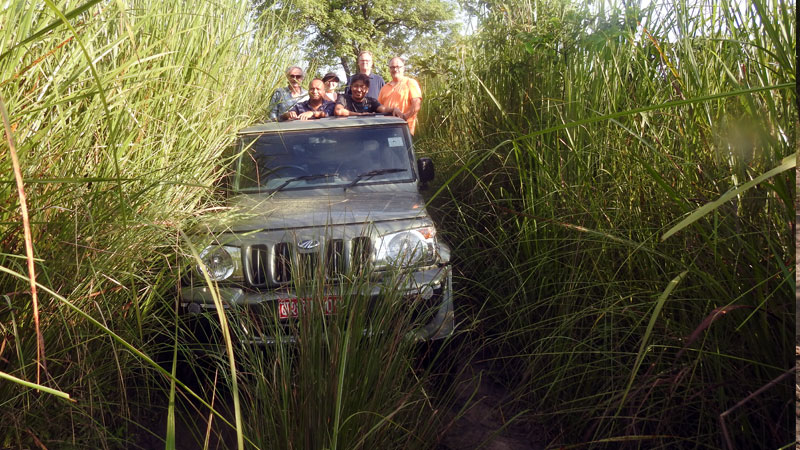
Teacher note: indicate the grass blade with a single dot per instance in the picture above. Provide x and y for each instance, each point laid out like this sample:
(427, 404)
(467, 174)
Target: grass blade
(647, 333)
(788, 162)
(36, 386)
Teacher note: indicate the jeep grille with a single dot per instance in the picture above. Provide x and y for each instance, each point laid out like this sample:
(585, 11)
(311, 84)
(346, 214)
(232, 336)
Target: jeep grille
(362, 249)
(270, 266)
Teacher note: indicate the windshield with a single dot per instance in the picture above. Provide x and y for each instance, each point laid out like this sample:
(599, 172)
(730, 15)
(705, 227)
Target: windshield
(339, 157)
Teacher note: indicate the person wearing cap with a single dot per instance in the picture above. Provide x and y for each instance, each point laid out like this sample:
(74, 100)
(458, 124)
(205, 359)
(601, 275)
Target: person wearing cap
(283, 99)
(331, 81)
(402, 93)
(316, 107)
(365, 67)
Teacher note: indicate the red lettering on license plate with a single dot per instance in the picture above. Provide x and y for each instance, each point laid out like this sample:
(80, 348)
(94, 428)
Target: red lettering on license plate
(293, 307)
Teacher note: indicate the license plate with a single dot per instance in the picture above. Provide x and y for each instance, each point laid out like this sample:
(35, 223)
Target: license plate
(293, 307)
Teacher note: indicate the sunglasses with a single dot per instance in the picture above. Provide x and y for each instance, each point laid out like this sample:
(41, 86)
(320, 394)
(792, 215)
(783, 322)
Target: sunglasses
(296, 77)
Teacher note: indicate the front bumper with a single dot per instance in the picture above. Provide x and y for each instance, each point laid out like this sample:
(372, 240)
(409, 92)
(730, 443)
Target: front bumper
(432, 284)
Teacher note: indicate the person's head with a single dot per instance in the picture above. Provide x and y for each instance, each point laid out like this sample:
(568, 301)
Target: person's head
(359, 86)
(397, 68)
(295, 75)
(365, 62)
(316, 89)
(331, 80)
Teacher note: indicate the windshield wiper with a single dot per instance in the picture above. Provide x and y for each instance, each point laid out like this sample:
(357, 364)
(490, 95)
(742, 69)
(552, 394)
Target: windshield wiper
(306, 178)
(372, 173)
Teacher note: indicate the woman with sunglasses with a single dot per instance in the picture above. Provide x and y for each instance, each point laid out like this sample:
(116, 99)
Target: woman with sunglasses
(283, 99)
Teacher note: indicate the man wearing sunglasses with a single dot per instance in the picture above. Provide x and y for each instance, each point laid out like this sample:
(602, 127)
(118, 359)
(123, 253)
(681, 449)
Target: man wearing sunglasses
(283, 99)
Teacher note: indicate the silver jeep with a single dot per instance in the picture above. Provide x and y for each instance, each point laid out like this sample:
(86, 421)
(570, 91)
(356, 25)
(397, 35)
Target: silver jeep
(326, 198)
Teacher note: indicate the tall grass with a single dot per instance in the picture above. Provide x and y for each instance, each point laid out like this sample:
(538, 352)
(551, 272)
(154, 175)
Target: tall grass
(611, 328)
(578, 144)
(347, 380)
(119, 112)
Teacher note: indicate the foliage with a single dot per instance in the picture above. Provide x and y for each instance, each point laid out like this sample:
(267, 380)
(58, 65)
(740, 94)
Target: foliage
(612, 330)
(121, 117)
(338, 30)
(340, 381)
(119, 112)
(599, 321)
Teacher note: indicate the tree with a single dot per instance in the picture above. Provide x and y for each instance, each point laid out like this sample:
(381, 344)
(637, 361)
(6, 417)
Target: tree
(339, 29)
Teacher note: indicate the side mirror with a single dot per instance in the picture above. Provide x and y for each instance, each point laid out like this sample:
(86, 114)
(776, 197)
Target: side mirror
(425, 170)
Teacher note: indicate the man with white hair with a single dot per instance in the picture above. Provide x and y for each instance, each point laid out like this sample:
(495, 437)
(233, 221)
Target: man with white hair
(283, 99)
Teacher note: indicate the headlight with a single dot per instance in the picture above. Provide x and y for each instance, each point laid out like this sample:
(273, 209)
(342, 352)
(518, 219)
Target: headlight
(222, 262)
(407, 247)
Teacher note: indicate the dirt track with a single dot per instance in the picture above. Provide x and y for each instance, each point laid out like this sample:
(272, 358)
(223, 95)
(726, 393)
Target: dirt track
(485, 422)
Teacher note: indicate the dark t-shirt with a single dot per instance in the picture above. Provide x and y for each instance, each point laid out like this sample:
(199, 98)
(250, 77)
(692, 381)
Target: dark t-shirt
(367, 105)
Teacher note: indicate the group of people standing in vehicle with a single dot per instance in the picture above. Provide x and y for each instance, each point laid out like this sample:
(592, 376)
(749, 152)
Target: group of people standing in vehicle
(366, 93)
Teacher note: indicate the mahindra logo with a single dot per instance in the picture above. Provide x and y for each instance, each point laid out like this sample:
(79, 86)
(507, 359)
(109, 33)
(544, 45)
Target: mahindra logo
(308, 244)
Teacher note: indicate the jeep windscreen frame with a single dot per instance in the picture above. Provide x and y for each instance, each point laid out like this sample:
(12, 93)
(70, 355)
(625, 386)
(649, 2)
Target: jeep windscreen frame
(324, 158)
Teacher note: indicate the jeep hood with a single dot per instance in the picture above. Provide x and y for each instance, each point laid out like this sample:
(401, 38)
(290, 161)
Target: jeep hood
(310, 208)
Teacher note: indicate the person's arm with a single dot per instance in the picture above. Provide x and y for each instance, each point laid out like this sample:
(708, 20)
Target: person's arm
(341, 110)
(416, 98)
(416, 104)
(291, 114)
(341, 107)
(274, 105)
(390, 111)
(328, 107)
(387, 110)
(319, 114)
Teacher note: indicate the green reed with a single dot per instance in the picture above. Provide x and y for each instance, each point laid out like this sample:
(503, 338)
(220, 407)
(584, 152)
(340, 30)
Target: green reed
(120, 112)
(576, 146)
(346, 380)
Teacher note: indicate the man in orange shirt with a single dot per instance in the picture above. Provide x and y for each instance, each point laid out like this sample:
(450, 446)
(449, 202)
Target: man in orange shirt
(402, 93)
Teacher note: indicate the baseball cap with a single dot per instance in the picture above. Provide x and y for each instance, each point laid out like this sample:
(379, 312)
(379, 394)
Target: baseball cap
(330, 76)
